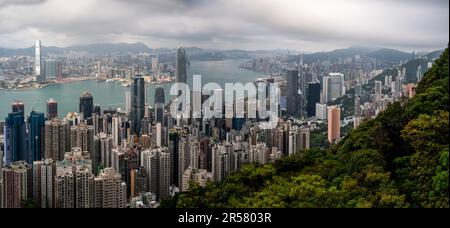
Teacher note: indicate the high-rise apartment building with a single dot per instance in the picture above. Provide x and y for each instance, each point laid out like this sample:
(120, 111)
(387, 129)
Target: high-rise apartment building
(57, 139)
(17, 184)
(334, 124)
(109, 190)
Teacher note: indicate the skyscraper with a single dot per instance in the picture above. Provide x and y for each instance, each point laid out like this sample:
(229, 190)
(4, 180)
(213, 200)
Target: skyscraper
(52, 109)
(109, 190)
(137, 104)
(159, 104)
(86, 105)
(334, 124)
(292, 93)
(36, 125)
(74, 181)
(82, 136)
(333, 86)
(313, 97)
(40, 76)
(50, 69)
(18, 106)
(378, 94)
(15, 138)
(44, 172)
(181, 73)
(157, 165)
(17, 185)
(57, 139)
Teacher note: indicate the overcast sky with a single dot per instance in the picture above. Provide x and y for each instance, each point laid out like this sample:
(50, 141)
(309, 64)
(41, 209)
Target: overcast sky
(313, 25)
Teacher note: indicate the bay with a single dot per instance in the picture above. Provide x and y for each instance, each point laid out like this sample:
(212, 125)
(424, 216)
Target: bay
(112, 94)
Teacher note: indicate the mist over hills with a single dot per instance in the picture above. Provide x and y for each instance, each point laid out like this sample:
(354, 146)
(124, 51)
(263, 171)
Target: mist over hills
(195, 53)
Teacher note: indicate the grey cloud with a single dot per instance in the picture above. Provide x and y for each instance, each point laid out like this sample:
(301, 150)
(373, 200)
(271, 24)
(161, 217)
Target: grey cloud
(4, 3)
(301, 25)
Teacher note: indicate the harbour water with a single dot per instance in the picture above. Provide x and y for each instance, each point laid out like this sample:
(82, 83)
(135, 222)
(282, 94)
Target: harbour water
(112, 94)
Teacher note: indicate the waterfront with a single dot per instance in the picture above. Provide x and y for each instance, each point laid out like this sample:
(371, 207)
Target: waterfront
(112, 94)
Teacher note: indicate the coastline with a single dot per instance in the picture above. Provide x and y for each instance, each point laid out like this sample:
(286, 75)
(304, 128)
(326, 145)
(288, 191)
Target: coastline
(71, 80)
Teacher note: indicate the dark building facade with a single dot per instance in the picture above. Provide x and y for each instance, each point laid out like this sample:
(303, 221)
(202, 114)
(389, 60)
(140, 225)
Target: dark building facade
(86, 105)
(137, 104)
(292, 92)
(36, 127)
(313, 97)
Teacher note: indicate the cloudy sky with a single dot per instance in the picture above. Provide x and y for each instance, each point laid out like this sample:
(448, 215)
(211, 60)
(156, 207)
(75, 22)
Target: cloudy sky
(304, 25)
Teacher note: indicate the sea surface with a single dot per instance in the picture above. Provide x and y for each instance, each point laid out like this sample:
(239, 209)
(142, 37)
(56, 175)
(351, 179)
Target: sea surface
(112, 94)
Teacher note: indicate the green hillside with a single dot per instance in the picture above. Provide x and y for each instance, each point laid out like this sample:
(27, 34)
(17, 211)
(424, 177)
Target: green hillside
(399, 159)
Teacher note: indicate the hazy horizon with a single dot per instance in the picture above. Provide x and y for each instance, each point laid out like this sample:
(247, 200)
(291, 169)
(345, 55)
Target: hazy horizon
(306, 26)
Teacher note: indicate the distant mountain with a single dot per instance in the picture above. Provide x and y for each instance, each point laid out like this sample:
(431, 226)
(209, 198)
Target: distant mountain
(338, 53)
(99, 49)
(391, 55)
(434, 54)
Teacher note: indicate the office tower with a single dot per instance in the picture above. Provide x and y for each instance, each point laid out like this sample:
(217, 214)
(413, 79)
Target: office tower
(378, 91)
(97, 110)
(419, 73)
(109, 190)
(334, 124)
(17, 185)
(387, 81)
(157, 165)
(137, 104)
(40, 75)
(36, 126)
(259, 153)
(313, 97)
(15, 138)
(86, 105)
(82, 136)
(44, 172)
(57, 139)
(50, 69)
(52, 109)
(333, 87)
(128, 102)
(292, 96)
(196, 176)
(74, 181)
(159, 104)
(181, 73)
(321, 111)
(18, 106)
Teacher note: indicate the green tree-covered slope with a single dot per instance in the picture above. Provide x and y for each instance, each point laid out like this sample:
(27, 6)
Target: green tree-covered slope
(399, 159)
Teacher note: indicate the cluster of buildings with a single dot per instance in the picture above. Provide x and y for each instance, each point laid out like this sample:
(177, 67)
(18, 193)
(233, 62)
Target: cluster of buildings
(132, 158)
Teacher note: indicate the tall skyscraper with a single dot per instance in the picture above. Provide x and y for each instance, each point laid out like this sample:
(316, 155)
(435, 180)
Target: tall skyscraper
(419, 73)
(74, 181)
(333, 86)
(15, 138)
(155, 64)
(44, 172)
(39, 74)
(128, 102)
(82, 136)
(159, 104)
(157, 165)
(86, 105)
(52, 109)
(334, 124)
(57, 139)
(378, 87)
(181, 73)
(36, 126)
(292, 96)
(313, 97)
(109, 190)
(17, 185)
(137, 104)
(50, 69)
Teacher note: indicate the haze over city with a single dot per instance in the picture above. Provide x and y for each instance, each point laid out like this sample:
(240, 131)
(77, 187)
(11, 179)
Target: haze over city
(297, 25)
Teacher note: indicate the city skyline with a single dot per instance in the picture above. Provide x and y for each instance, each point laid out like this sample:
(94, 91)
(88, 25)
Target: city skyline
(407, 26)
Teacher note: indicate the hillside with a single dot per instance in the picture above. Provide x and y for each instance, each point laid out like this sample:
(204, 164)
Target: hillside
(399, 159)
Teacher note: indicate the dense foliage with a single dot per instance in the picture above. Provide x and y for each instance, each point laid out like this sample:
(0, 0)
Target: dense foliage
(399, 159)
